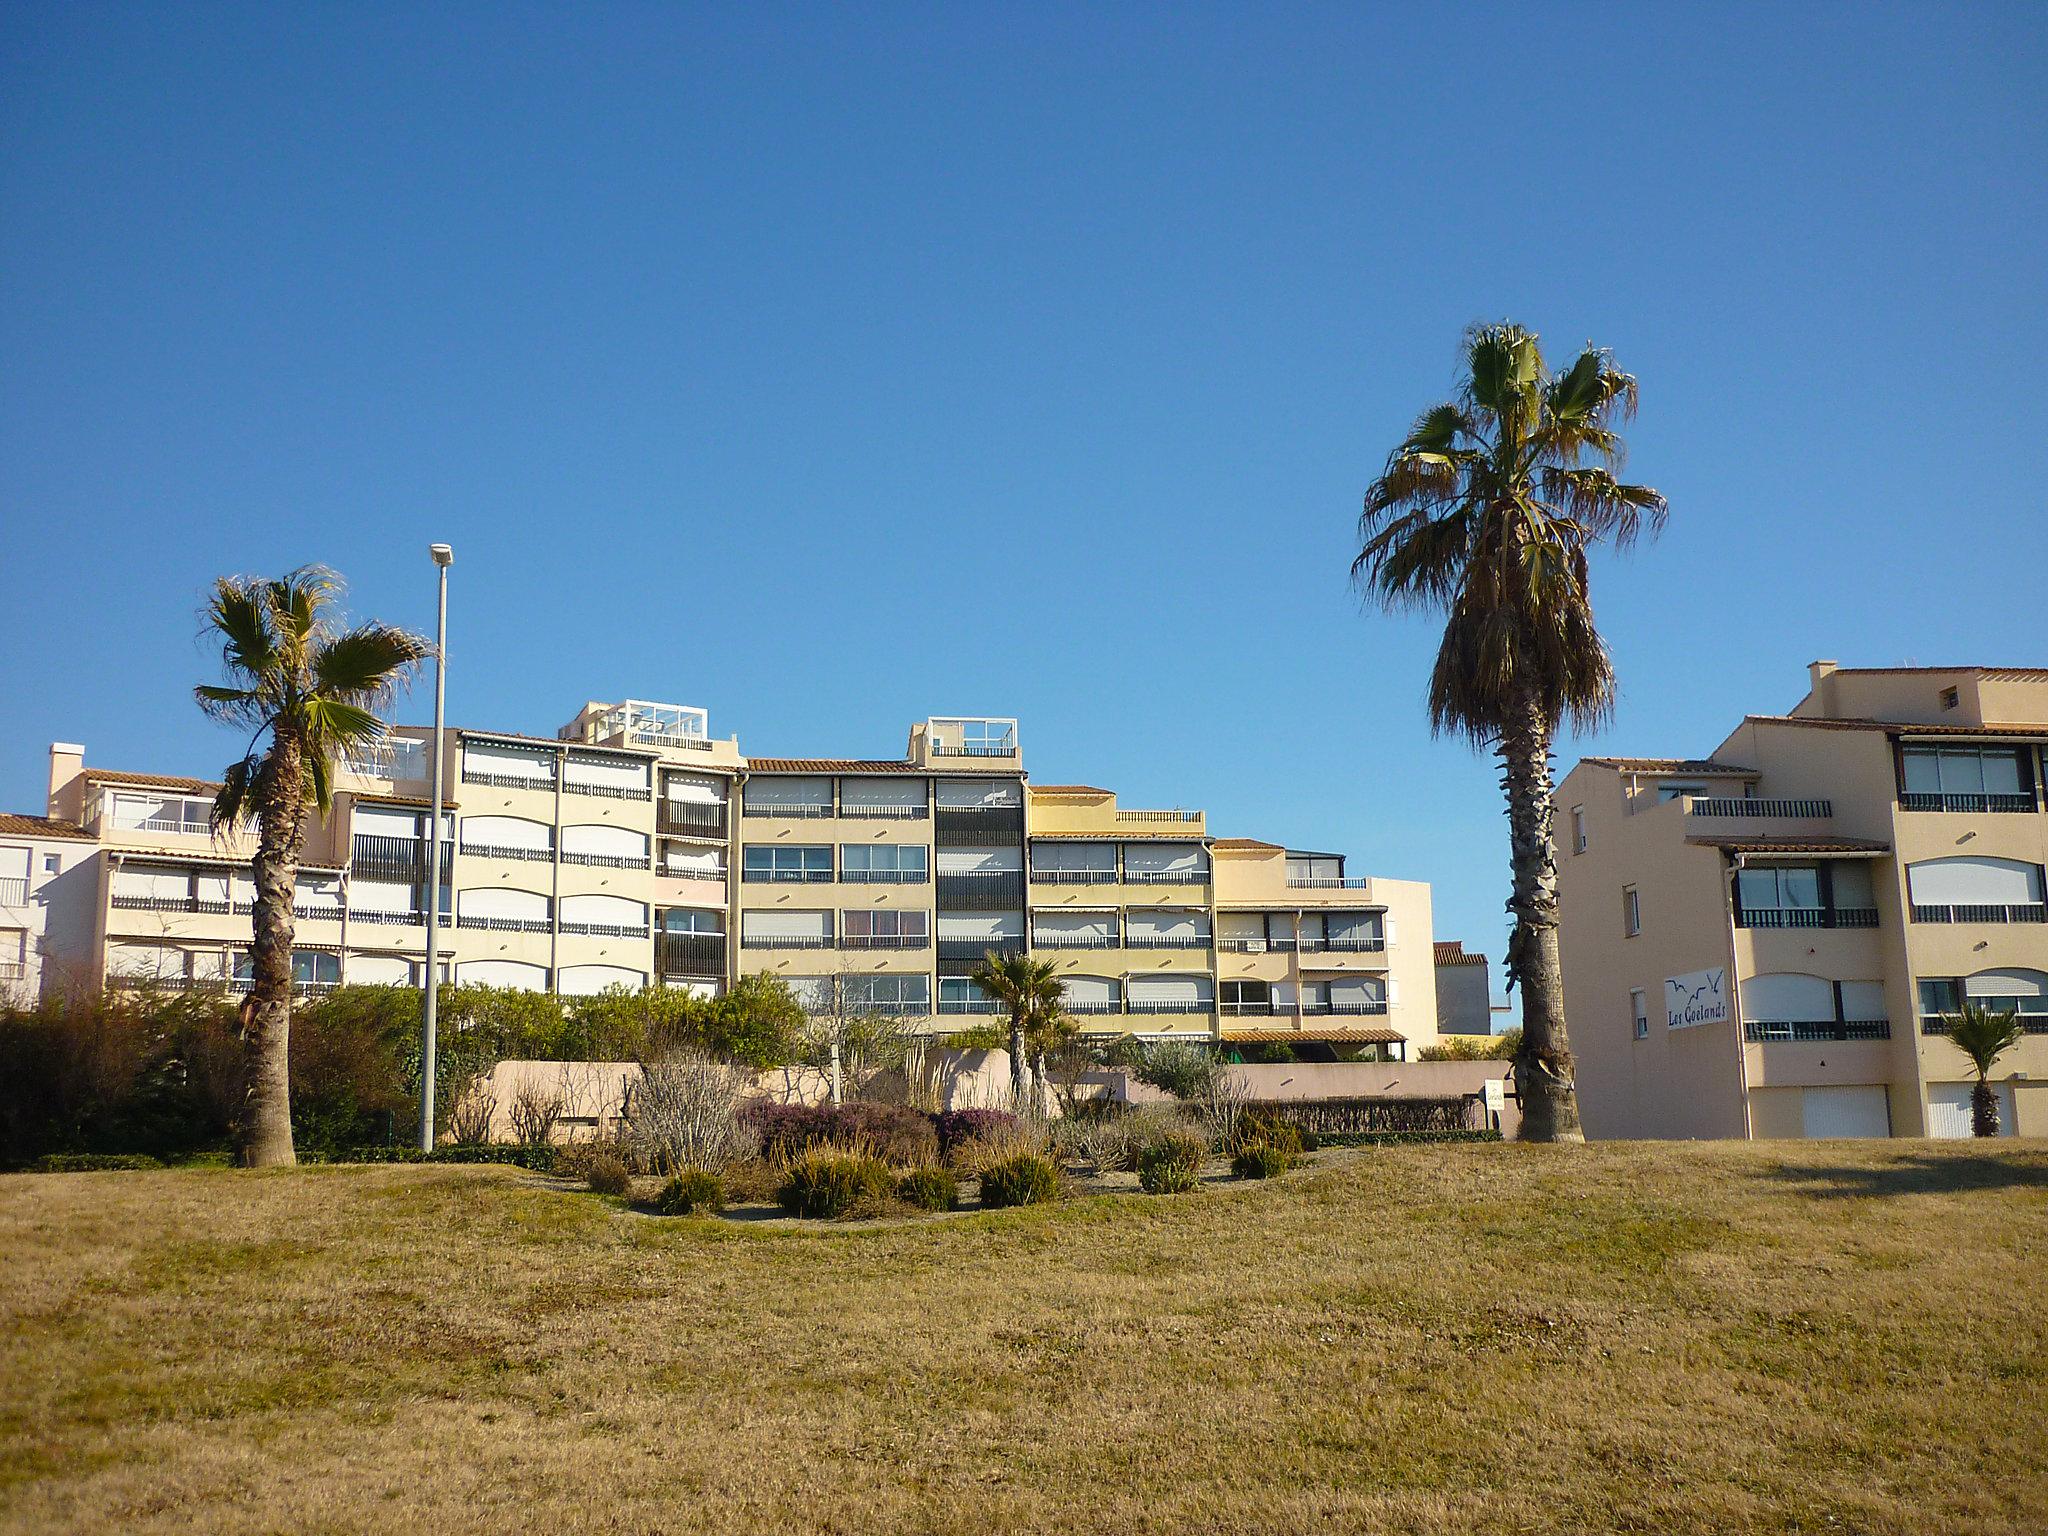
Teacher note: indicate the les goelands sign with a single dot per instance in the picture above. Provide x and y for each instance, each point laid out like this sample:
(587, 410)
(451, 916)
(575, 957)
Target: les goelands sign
(1698, 997)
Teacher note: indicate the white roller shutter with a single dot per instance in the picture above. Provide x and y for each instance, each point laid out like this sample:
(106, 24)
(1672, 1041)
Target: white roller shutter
(603, 911)
(788, 790)
(503, 973)
(984, 927)
(1167, 989)
(1863, 1002)
(588, 980)
(604, 842)
(698, 863)
(1241, 927)
(978, 794)
(2010, 983)
(1062, 858)
(1355, 992)
(1091, 991)
(813, 993)
(776, 923)
(140, 882)
(379, 970)
(1165, 923)
(1948, 1110)
(1833, 1112)
(694, 789)
(1969, 882)
(881, 794)
(316, 894)
(1075, 925)
(380, 896)
(153, 960)
(508, 762)
(1165, 858)
(386, 821)
(612, 773)
(502, 902)
(13, 863)
(505, 832)
(968, 861)
(1352, 927)
(1788, 997)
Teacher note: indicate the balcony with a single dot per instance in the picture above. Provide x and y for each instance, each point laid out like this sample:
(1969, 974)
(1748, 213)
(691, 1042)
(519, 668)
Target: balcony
(886, 941)
(1257, 1010)
(394, 858)
(689, 954)
(1073, 941)
(809, 810)
(996, 890)
(13, 892)
(1766, 1032)
(1165, 940)
(884, 812)
(1806, 917)
(395, 919)
(884, 877)
(1329, 1010)
(786, 876)
(1166, 877)
(609, 860)
(1190, 1005)
(973, 1005)
(1756, 806)
(488, 780)
(1329, 882)
(684, 818)
(785, 941)
(607, 791)
(1093, 1009)
(1978, 804)
(1073, 876)
(691, 872)
(974, 949)
(1180, 817)
(170, 904)
(1938, 1023)
(506, 924)
(2026, 912)
(607, 930)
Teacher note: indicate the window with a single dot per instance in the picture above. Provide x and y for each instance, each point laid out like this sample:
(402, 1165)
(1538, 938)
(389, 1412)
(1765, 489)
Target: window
(882, 863)
(310, 967)
(1785, 888)
(51, 863)
(1631, 911)
(1073, 863)
(789, 862)
(1975, 890)
(957, 994)
(693, 920)
(1951, 698)
(162, 813)
(1680, 792)
(1792, 1005)
(1578, 829)
(2017, 989)
(887, 930)
(1247, 997)
(886, 994)
(1639, 1010)
(1958, 778)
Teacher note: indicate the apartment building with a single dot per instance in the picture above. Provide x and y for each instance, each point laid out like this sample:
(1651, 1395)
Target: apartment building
(1763, 942)
(634, 849)
(1464, 999)
(46, 904)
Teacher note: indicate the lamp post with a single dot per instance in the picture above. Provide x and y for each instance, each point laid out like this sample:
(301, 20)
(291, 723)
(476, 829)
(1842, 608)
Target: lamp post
(443, 558)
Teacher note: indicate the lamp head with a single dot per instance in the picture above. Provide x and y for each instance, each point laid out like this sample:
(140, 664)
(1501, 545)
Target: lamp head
(442, 553)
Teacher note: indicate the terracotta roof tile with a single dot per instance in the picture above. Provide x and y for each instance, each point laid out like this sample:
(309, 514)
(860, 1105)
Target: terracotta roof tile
(12, 825)
(1068, 789)
(149, 780)
(1452, 952)
(1905, 727)
(843, 765)
(1996, 674)
(1342, 1034)
(1701, 766)
(1248, 843)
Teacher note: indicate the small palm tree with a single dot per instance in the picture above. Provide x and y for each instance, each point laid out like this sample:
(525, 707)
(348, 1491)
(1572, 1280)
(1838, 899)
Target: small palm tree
(1983, 1035)
(313, 689)
(1031, 990)
(1486, 510)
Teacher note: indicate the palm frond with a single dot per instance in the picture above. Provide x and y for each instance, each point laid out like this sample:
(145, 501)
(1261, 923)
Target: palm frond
(1604, 507)
(238, 613)
(367, 664)
(232, 706)
(1984, 1034)
(234, 802)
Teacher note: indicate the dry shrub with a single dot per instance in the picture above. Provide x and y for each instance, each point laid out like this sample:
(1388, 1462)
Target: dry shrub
(685, 1113)
(1000, 1144)
(470, 1114)
(535, 1115)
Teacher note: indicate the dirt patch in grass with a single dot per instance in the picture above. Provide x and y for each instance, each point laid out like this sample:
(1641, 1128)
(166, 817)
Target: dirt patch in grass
(1830, 1337)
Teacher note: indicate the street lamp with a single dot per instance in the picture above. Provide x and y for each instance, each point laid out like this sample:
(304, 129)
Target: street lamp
(443, 558)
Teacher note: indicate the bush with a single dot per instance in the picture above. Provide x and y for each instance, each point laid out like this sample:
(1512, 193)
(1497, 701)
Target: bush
(1029, 1179)
(1346, 1117)
(684, 1113)
(692, 1190)
(92, 1162)
(1183, 1068)
(1500, 1047)
(606, 1172)
(823, 1184)
(932, 1187)
(1264, 1128)
(539, 1159)
(1402, 1138)
(958, 1127)
(1261, 1160)
(894, 1132)
(1171, 1163)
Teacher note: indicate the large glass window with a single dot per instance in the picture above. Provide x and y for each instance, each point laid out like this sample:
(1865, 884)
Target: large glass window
(1964, 771)
(789, 862)
(883, 863)
(1781, 889)
(883, 929)
(886, 994)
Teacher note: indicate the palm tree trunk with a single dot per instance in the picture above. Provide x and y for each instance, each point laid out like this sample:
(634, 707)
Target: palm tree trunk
(1543, 1067)
(266, 1124)
(1983, 1109)
(1020, 1079)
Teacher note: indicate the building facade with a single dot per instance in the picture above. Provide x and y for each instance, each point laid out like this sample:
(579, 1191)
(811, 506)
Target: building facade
(634, 849)
(1464, 999)
(1764, 942)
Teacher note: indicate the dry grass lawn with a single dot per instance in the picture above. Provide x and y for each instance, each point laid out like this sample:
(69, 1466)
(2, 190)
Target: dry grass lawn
(1818, 1337)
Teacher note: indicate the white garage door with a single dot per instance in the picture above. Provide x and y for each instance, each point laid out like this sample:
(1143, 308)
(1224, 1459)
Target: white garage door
(1829, 1112)
(1948, 1109)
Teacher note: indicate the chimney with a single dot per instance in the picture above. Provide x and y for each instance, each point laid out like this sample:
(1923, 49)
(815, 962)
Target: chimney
(67, 762)
(1816, 670)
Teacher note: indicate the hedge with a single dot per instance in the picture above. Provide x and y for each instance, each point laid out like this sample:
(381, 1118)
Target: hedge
(1399, 1138)
(539, 1159)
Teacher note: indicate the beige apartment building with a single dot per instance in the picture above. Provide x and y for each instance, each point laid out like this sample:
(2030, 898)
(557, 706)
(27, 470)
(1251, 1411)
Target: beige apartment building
(634, 849)
(1763, 942)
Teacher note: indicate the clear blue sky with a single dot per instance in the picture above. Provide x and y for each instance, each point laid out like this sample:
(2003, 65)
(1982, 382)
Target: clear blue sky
(832, 367)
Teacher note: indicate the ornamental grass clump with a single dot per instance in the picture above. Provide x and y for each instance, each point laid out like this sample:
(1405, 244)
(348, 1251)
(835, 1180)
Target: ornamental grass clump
(1261, 1160)
(960, 1129)
(1027, 1179)
(933, 1187)
(1171, 1163)
(824, 1184)
(606, 1172)
(691, 1191)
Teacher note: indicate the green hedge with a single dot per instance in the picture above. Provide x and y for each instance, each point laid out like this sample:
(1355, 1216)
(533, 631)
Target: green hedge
(539, 1159)
(1398, 1138)
(91, 1162)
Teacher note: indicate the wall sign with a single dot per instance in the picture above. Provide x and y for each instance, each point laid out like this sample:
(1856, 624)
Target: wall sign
(1698, 997)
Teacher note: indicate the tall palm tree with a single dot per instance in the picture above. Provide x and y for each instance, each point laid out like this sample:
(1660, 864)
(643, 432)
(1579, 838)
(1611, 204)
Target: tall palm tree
(313, 688)
(1486, 510)
(1031, 990)
(1983, 1035)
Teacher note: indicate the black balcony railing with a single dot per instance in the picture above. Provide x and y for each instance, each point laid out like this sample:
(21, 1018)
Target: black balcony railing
(886, 941)
(1135, 940)
(786, 876)
(884, 876)
(973, 1005)
(608, 930)
(1326, 1010)
(809, 811)
(1807, 917)
(1978, 912)
(974, 826)
(1765, 1031)
(1367, 946)
(1758, 805)
(785, 941)
(969, 950)
(1254, 1009)
(509, 780)
(996, 890)
(884, 812)
(1918, 800)
(689, 954)
(685, 818)
(394, 858)
(1189, 1005)
(1941, 1023)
